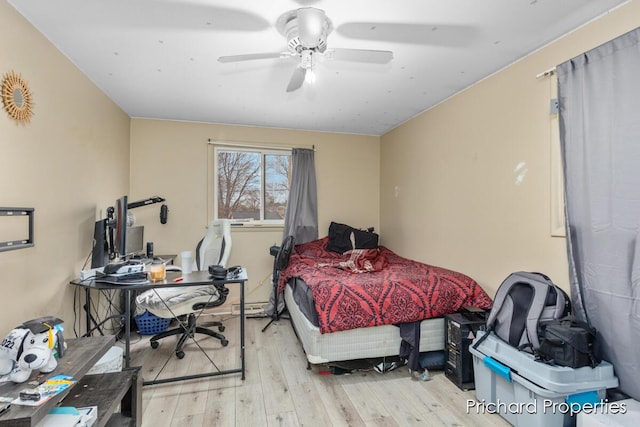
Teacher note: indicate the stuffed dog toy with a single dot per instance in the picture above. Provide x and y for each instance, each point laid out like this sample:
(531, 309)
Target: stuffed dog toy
(31, 347)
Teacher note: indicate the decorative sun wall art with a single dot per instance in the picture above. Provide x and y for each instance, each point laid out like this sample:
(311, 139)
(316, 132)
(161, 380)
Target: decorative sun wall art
(16, 97)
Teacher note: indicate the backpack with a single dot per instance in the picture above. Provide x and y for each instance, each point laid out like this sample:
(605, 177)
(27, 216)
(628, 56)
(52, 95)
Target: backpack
(523, 301)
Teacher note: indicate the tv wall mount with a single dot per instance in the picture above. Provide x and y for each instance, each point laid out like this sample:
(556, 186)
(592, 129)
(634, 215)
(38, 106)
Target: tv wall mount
(10, 245)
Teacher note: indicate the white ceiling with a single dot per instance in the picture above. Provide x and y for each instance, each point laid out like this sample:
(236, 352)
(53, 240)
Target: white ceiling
(158, 58)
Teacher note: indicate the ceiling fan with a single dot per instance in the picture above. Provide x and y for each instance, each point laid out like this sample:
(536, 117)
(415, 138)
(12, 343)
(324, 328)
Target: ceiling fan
(306, 30)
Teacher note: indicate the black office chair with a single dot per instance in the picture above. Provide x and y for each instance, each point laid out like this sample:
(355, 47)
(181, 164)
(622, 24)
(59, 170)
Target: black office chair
(186, 303)
(280, 262)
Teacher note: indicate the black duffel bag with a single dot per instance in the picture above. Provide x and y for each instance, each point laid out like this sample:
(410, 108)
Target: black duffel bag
(568, 342)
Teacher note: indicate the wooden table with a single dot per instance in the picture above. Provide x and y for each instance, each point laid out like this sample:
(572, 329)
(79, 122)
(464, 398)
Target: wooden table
(106, 391)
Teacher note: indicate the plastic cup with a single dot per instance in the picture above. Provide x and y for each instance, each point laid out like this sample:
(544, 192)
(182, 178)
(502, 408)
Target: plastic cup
(186, 262)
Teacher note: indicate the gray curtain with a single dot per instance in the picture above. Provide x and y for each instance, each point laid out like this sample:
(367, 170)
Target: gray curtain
(599, 97)
(301, 218)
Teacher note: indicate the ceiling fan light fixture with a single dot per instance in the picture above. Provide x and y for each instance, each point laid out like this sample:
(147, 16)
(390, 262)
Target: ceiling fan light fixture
(310, 76)
(313, 26)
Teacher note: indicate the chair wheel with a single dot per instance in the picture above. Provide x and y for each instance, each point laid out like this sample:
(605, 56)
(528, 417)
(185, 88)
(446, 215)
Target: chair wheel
(180, 354)
(221, 328)
(224, 342)
(154, 344)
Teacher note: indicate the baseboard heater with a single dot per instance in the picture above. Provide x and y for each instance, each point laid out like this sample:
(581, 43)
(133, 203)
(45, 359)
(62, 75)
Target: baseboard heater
(251, 309)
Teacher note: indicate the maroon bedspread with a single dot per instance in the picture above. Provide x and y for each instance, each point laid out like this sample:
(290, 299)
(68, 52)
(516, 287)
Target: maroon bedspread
(402, 291)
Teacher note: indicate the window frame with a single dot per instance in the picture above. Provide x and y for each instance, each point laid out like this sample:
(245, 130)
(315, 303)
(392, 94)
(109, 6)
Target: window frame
(557, 202)
(212, 180)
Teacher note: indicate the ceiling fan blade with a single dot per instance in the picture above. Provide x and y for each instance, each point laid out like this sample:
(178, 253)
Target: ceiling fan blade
(424, 34)
(253, 56)
(311, 26)
(360, 55)
(297, 78)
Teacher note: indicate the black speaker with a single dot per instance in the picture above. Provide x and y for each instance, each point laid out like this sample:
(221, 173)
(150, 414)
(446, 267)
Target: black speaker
(459, 332)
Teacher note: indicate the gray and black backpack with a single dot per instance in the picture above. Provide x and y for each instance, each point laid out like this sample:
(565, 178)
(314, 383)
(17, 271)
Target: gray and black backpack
(523, 302)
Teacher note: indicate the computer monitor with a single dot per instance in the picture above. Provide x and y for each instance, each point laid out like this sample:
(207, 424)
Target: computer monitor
(135, 240)
(113, 236)
(100, 252)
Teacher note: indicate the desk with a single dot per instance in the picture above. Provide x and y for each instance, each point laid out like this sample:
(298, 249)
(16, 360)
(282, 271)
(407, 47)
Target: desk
(196, 278)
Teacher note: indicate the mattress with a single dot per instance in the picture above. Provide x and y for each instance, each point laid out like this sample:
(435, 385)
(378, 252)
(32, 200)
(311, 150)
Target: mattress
(363, 343)
(367, 287)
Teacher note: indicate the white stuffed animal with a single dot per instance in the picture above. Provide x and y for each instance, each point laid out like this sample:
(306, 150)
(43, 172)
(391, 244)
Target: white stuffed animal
(23, 351)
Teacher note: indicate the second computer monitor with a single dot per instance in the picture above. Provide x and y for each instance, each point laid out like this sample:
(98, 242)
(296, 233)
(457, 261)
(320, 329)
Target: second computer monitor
(135, 240)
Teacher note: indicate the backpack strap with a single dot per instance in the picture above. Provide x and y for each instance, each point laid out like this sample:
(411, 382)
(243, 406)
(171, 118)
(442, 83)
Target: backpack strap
(498, 300)
(482, 338)
(541, 292)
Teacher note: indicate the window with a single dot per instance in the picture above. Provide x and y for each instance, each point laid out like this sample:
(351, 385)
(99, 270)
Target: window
(251, 185)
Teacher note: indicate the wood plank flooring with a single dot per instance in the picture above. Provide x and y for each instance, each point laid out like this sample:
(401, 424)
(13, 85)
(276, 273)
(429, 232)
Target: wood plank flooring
(280, 391)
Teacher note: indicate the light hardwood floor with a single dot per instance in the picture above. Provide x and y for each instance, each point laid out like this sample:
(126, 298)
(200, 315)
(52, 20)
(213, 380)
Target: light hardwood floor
(280, 391)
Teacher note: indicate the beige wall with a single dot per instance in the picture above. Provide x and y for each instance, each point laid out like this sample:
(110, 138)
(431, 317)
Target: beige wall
(458, 202)
(462, 202)
(169, 159)
(70, 160)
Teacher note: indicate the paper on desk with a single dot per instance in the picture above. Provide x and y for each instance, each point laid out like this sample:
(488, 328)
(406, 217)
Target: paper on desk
(51, 387)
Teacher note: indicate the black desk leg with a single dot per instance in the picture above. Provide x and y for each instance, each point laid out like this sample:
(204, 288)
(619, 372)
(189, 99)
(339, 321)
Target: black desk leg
(87, 308)
(242, 327)
(90, 319)
(127, 329)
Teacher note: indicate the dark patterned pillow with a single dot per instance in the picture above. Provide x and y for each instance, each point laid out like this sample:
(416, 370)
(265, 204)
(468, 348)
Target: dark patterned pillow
(365, 239)
(339, 238)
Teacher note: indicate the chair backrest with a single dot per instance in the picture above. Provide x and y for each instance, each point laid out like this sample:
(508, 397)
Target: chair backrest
(215, 246)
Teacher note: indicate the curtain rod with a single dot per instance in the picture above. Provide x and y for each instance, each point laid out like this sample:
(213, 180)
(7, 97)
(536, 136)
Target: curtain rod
(546, 73)
(253, 145)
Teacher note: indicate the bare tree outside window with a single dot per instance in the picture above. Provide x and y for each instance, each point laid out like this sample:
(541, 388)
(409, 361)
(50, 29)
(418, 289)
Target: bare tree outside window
(276, 188)
(252, 185)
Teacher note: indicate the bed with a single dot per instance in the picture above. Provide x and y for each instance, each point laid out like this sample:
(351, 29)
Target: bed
(349, 305)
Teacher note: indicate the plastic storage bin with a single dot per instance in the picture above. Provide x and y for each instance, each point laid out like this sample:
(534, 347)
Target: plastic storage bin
(150, 324)
(529, 393)
(622, 413)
